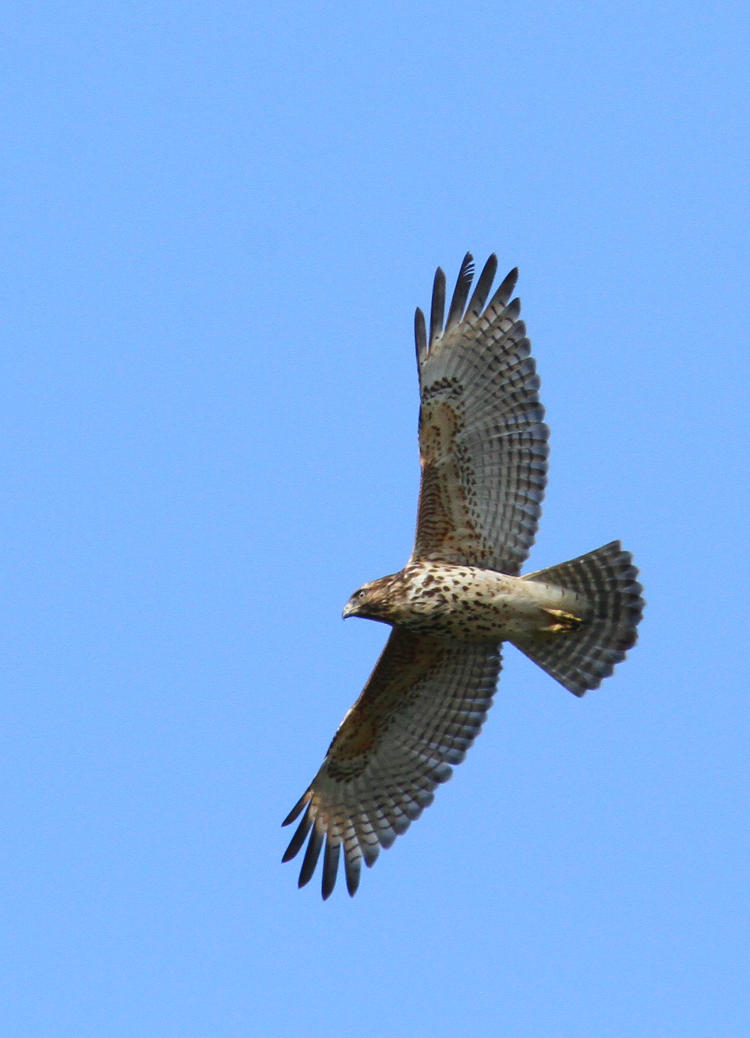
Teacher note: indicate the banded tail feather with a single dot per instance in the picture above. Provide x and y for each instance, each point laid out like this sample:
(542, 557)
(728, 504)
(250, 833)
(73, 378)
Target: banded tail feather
(579, 658)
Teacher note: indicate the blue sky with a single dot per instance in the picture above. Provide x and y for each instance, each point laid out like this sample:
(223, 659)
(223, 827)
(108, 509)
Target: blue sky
(217, 222)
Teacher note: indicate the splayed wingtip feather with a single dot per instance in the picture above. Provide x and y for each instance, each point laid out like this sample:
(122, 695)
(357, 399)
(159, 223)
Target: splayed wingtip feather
(311, 856)
(437, 309)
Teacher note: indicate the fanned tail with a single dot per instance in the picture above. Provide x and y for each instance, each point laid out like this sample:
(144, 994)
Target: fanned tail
(580, 654)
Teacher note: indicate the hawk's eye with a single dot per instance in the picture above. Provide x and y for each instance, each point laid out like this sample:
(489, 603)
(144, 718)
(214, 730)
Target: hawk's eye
(361, 593)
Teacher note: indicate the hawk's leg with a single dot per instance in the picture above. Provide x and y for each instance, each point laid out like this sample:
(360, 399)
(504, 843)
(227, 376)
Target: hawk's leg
(561, 622)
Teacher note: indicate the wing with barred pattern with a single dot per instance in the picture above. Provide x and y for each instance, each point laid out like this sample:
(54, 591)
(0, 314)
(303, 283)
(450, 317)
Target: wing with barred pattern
(421, 709)
(482, 439)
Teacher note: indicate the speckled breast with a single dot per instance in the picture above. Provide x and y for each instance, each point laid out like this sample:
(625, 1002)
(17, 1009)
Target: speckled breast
(471, 604)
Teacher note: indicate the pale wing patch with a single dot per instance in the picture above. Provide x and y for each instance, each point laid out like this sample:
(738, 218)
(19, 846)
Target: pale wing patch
(444, 523)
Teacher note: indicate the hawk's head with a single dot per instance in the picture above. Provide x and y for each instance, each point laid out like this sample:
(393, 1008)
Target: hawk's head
(371, 601)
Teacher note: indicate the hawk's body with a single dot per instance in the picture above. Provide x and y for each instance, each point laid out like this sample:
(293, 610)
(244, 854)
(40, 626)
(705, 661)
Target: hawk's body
(483, 450)
(465, 602)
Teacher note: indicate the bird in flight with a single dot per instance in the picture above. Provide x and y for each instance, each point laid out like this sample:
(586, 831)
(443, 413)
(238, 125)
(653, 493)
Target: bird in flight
(483, 452)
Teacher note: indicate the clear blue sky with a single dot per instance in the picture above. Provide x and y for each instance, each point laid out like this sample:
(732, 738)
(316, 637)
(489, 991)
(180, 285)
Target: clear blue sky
(217, 221)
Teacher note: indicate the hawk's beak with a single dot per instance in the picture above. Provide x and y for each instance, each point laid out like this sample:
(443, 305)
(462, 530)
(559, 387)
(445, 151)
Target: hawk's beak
(348, 610)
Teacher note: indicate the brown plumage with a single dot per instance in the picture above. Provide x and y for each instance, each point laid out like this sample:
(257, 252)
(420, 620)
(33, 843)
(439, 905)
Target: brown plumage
(483, 451)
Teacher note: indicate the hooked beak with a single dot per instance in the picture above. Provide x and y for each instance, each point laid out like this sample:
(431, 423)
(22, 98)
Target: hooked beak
(349, 610)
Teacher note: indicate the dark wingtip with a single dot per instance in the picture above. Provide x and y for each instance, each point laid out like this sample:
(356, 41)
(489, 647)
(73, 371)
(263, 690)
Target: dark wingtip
(461, 291)
(352, 882)
(482, 289)
(513, 309)
(299, 838)
(437, 308)
(420, 335)
(505, 290)
(295, 810)
(330, 868)
(310, 859)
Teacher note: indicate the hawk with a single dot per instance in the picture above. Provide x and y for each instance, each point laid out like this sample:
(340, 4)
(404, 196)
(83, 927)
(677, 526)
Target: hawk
(483, 452)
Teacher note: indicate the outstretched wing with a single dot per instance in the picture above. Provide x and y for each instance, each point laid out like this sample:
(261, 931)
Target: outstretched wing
(421, 709)
(482, 439)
